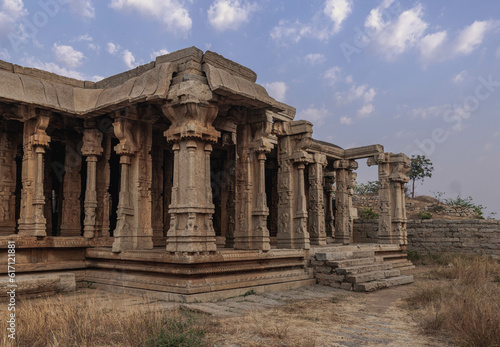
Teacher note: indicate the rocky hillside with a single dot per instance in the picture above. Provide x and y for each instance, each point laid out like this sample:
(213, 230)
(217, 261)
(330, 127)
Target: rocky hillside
(421, 207)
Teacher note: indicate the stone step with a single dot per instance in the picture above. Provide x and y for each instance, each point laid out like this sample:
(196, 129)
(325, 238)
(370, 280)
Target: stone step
(383, 283)
(401, 264)
(372, 276)
(336, 256)
(363, 268)
(351, 262)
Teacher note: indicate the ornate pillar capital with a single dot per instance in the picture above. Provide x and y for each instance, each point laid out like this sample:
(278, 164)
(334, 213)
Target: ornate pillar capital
(191, 120)
(92, 143)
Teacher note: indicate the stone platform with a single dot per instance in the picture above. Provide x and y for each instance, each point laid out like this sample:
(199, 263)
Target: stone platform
(206, 276)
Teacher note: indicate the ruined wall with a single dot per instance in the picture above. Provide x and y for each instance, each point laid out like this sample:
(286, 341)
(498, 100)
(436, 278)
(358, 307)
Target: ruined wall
(467, 236)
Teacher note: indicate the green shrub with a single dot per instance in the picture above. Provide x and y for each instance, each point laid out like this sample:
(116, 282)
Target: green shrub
(370, 187)
(467, 202)
(425, 215)
(368, 213)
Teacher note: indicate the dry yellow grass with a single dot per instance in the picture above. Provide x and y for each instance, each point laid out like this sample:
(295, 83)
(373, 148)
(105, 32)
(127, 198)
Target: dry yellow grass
(299, 323)
(466, 306)
(64, 321)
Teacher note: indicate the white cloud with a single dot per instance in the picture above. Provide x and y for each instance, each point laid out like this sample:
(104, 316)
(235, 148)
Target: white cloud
(362, 92)
(429, 112)
(459, 77)
(68, 56)
(332, 75)
(397, 36)
(346, 120)
(10, 13)
(374, 20)
(129, 59)
(337, 11)
(438, 47)
(113, 48)
(321, 26)
(97, 78)
(358, 93)
(472, 36)
(314, 114)
(84, 8)
(155, 54)
(52, 67)
(366, 110)
(85, 37)
(431, 45)
(229, 14)
(315, 58)
(171, 13)
(277, 90)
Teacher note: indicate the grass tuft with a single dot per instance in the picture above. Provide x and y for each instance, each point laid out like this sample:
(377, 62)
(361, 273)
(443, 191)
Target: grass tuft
(466, 306)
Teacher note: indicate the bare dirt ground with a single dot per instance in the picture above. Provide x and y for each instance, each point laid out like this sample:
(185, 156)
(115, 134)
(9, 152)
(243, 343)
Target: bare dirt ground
(309, 316)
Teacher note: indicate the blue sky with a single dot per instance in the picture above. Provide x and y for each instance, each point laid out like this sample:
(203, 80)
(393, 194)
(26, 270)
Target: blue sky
(419, 77)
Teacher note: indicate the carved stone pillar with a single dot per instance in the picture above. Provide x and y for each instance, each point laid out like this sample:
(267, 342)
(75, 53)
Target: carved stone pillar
(300, 218)
(32, 220)
(316, 201)
(329, 204)
(102, 187)
(384, 193)
(70, 217)
(392, 171)
(133, 228)
(353, 212)
(92, 149)
(292, 204)
(343, 173)
(399, 166)
(157, 192)
(230, 211)
(8, 183)
(251, 202)
(191, 209)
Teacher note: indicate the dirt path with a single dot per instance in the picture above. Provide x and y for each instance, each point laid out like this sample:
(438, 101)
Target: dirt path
(374, 319)
(309, 316)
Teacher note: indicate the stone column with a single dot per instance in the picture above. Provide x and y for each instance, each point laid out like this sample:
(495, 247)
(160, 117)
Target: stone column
(353, 212)
(157, 192)
(230, 204)
(300, 219)
(133, 228)
(399, 167)
(317, 230)
(191, 209)
(92, 149)
(32, 220)
(343, 172)
(384, 193)
(251, 203)
(70, 216)
(292, 205)
(102, 187)
(329, 205)
(8, 183)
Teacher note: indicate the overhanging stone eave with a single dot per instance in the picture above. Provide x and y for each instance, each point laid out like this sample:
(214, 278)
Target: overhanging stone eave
(363, 152)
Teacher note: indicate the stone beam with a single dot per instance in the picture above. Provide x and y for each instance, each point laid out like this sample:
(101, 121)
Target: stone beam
(363, 152)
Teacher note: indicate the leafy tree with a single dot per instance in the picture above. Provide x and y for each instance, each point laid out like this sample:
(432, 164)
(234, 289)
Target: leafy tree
(421, 167)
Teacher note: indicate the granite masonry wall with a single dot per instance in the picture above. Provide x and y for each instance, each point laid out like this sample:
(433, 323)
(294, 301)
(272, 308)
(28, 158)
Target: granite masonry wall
(474, 236)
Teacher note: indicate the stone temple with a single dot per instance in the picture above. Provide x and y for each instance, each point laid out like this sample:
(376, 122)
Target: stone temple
(181, 179)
